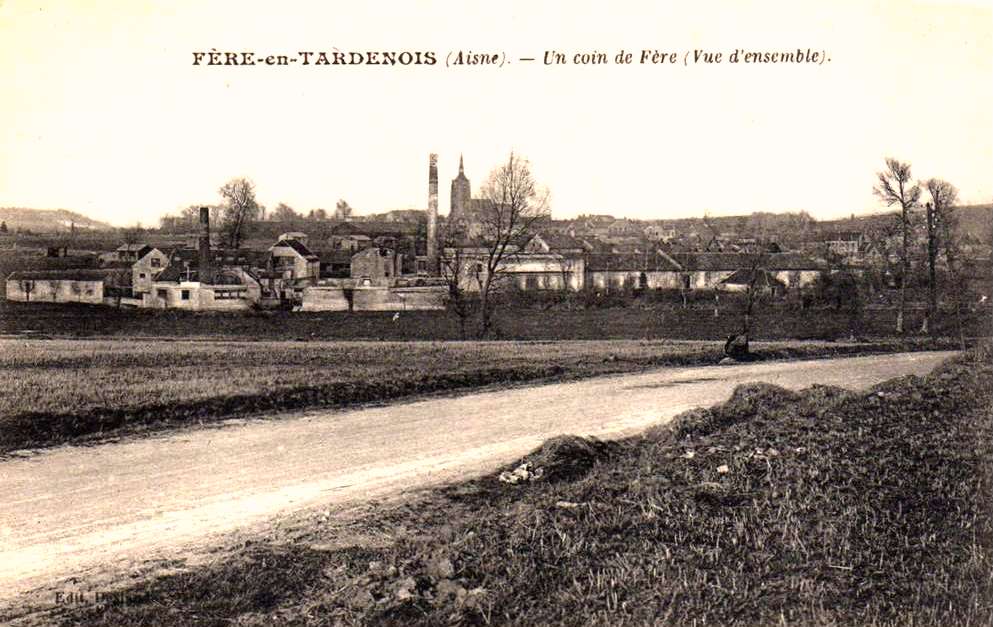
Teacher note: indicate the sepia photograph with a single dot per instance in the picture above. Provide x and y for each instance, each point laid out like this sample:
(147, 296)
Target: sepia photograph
(504, 313)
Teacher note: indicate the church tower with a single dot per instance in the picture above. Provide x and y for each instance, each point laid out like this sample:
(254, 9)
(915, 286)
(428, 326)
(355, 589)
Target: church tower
(461, 195)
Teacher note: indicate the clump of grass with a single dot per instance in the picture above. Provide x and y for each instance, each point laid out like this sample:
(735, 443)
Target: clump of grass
(822, 507)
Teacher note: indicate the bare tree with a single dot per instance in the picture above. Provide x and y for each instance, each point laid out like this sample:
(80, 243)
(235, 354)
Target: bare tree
(951, 245)
(240, 209)
(894, 187)
(943, 196)
(457, 267)
(513, 209)
(758, 284)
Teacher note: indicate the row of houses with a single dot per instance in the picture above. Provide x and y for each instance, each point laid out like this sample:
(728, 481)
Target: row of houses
(289, 273)
(655, 270)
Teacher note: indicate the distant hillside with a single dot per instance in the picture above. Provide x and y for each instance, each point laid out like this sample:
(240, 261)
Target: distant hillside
(48, 220)
(976, 220)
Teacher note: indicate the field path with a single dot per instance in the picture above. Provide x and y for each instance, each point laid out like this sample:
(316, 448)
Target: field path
(72, 508)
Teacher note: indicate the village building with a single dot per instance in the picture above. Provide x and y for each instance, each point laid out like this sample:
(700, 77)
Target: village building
(615, 271)
(708, 270)
(358, 235)
(146, 268)
(758, 280)
(225, 289)
(527, 268)
(130, 253)
(57, 286)
(293, 261)
(659, 233)
(554, 242)
(335, 264)
(851, 246)
(622, 228)
(376, 266)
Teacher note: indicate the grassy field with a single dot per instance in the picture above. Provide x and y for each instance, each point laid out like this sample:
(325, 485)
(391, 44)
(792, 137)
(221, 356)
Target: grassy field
(632, 322)
(58, 391)
(820, 507)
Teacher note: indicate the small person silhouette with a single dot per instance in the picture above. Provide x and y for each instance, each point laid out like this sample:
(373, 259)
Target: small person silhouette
(396, 316)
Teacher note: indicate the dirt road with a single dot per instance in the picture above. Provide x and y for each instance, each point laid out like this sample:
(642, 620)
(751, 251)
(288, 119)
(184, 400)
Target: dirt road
(68, 509)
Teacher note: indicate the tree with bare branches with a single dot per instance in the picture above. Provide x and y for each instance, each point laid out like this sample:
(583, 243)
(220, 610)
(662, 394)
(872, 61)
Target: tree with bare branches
(455, 266)
(894, 187)
(943, 196)
(951, 246)
(513, 209)
(240, 209)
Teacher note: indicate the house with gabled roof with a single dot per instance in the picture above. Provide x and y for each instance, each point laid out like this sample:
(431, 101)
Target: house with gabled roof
(131, 252)
(293, 261)
(553, 242)
(146, 268)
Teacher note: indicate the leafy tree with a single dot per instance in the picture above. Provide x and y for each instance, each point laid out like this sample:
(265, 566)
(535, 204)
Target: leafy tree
(342, 210)
(3, 227)
(284, 213)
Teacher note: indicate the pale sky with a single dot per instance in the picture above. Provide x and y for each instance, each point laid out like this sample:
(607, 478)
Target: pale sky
(103, 111)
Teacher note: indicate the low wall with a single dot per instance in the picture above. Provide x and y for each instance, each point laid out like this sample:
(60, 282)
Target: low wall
(328, 298)
(422, 298)
(324, 299)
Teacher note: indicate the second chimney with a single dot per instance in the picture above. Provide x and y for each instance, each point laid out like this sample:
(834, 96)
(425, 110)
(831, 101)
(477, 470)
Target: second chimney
(203, 244)
(432, 243)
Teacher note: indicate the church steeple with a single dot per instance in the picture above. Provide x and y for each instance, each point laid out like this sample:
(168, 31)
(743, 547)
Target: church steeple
(461, 193)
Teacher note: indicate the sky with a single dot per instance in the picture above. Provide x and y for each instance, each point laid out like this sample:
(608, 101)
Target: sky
(104, 112)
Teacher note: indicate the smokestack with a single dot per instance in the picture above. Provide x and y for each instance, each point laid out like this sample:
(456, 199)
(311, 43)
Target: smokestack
(433, 214)
(203, 243)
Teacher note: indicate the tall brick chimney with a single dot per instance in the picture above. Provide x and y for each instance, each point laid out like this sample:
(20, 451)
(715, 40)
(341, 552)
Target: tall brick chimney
(203, 244)
(432, 214)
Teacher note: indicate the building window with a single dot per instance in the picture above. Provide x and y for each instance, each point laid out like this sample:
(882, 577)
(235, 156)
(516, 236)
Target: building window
(156, 262)
(185, 295)
(141, 275)
(162, 294)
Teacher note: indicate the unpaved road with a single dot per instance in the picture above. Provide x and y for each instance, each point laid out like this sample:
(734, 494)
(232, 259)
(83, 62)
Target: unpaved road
(68, 509)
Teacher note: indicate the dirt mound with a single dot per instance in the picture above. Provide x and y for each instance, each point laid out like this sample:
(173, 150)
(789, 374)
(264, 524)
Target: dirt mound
(819, 398)
(756, 396)
(566, 457)
(747, 401)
